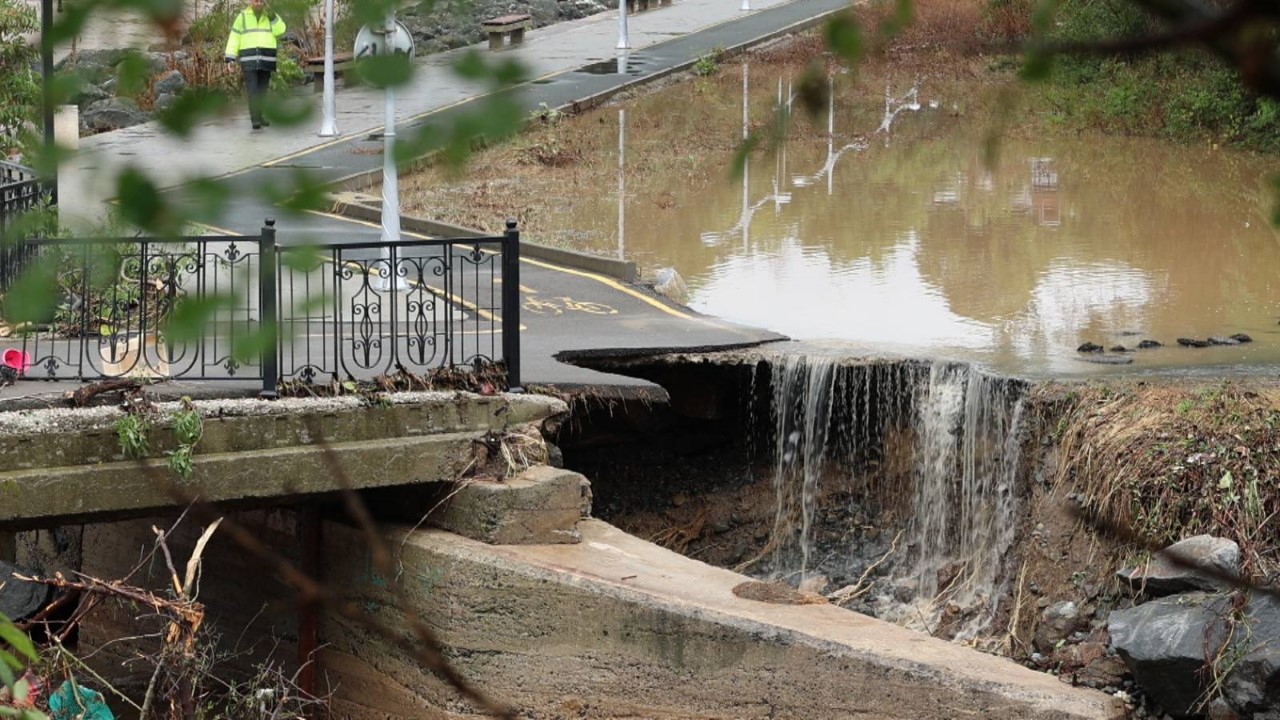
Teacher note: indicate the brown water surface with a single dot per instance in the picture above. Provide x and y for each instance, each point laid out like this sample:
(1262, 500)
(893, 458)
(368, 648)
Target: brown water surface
(913, 241)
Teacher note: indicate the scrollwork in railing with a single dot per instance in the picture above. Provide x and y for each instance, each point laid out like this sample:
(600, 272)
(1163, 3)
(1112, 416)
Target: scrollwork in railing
(354, 311)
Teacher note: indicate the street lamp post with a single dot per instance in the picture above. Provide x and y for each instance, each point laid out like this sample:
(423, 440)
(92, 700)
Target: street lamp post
(390, 179)
(623, 42)
(329, 125)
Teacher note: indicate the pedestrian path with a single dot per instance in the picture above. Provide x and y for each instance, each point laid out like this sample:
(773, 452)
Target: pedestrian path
(564, 310)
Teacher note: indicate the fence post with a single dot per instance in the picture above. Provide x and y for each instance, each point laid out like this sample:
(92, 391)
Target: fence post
(511, 305)
(268, 321)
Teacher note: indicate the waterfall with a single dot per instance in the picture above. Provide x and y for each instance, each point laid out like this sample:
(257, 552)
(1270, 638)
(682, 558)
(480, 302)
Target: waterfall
(932, 448)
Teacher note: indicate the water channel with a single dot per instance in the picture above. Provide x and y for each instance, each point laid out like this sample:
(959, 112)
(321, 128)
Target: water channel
(907, 234)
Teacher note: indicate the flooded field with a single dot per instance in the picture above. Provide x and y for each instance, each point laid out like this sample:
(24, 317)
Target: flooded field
(890, 221)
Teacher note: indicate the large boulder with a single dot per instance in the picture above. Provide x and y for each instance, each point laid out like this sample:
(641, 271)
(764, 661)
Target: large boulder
(169, 83)
(1163, 642)
(1253, 686)
(1202, 562)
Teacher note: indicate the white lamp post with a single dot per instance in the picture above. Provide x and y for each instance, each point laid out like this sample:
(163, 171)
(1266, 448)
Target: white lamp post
(623, 42)
(329, 125)
(622, 182)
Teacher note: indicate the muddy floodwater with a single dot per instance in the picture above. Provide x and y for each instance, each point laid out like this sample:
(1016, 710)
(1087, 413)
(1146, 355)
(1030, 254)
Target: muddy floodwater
(909, 232)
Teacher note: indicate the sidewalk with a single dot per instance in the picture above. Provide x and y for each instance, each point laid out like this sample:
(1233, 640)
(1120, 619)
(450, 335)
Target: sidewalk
(226, 145)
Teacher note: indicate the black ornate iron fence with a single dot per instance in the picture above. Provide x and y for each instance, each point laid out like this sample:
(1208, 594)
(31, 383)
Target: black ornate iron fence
(234, 308)
(20, 192)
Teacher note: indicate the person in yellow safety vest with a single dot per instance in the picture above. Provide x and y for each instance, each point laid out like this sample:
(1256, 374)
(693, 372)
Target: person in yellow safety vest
(253, 42)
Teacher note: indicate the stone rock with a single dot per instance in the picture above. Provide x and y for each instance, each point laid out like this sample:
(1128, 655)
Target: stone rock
(1215, 340)
(18, 599)
(112, 114)
(165, 101)
(90, 94)
(1056, 622)
(169, 83)
(1163, 644)
(668, 283)
(93, 63)
(1089, 347)
(1193, 342)
(1241, 338)
(1174, 569)
(1148, 344)
(1253, 686)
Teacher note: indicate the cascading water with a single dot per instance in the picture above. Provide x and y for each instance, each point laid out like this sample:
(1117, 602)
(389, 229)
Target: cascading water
(931, 448)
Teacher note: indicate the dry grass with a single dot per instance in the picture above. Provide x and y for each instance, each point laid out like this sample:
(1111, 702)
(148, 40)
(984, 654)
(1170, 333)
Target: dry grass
(958, 26)
(1168, 463)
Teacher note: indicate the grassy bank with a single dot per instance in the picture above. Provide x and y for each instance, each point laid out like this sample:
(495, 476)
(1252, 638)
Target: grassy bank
(1182, 94)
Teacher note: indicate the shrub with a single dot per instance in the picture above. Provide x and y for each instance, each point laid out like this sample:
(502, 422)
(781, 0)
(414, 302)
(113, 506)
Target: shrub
(18, 84)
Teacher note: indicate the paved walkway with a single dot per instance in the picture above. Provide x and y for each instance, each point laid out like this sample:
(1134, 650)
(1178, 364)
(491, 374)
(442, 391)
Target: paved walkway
(569, 62)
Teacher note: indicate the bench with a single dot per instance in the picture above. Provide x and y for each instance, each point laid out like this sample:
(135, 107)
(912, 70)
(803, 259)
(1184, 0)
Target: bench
(507, 25)
(314, 66)
(638, 5)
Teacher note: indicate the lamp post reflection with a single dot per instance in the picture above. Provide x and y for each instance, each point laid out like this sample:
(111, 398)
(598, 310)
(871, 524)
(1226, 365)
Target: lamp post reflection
(622, 182)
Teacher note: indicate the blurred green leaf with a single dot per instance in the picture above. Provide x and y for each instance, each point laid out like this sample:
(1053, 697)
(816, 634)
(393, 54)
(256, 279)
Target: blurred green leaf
(248, 348)
(471, 65)
(1037, 66)
(385, 70)
(69, 22)
(191, 107)
(65, 86)
(287, 110)
(903, 14)
(17, 639)
(140, 202)
(191, 315)
(207, 198)
(31, 297)
(509, 72)
(8, 663)
(302, 258)
(305, 191)
(741, 154)
(1274, 182)
(1042, 17)
(132, 74)
(844, 37)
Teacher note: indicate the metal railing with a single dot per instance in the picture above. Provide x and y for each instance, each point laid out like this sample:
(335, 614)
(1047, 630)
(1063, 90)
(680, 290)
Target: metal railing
(20, 192)
(235, 308)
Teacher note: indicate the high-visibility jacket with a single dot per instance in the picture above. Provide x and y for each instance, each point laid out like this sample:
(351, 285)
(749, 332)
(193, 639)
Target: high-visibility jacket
(253, 40)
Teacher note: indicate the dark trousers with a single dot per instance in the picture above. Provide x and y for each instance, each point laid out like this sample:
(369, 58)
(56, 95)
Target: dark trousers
(256, 83)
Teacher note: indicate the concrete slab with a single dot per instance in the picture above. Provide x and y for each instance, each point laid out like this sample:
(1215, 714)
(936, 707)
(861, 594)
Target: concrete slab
(630, 629)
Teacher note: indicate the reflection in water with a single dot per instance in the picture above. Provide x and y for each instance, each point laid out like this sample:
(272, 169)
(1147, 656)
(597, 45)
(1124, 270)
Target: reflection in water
(622, 182)
(901, 231)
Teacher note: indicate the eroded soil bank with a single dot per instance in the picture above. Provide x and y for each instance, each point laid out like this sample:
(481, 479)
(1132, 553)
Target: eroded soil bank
(1108, 472)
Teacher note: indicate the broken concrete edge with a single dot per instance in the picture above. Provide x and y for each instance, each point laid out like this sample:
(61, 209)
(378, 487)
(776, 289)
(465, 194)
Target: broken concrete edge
(542, 504)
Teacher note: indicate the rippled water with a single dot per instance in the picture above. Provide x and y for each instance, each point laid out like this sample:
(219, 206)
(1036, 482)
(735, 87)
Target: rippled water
(918, 240)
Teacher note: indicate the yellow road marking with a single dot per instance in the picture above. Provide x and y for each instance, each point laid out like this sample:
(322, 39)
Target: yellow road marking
(606, 281)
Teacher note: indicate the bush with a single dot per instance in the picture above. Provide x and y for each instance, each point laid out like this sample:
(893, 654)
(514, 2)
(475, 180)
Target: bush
(18, 83)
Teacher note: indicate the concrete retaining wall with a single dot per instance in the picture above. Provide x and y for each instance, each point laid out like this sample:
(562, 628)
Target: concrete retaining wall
(616, 627)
